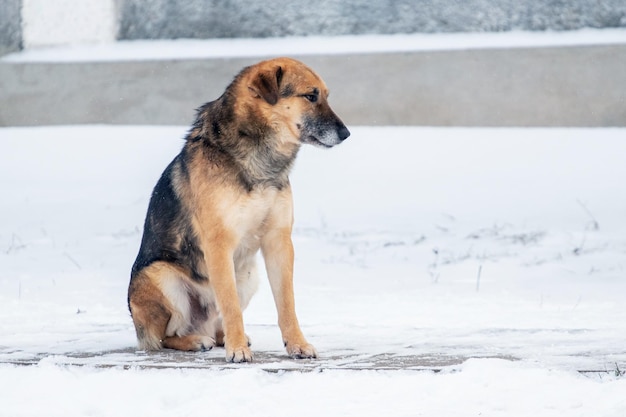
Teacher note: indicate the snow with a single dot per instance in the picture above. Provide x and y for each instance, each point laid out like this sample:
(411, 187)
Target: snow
(496, 388)
(312, 45)
(439, 271)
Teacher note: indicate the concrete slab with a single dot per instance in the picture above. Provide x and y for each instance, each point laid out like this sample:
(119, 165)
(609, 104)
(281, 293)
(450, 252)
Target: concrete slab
(552, 86)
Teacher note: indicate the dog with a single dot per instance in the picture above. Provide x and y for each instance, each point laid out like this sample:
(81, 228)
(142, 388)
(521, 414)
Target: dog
(223, 198)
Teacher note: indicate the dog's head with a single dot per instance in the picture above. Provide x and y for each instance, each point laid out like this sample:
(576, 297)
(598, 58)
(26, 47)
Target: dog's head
(294, 101)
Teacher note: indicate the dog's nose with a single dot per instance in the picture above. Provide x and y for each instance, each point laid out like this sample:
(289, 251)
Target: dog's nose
(343, 132)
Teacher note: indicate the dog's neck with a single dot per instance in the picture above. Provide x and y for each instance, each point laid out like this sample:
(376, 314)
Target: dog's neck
(256, 153)
(262, 164)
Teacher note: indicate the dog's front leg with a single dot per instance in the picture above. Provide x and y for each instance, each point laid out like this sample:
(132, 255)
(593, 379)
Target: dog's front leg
(277, 251)
(222, 277)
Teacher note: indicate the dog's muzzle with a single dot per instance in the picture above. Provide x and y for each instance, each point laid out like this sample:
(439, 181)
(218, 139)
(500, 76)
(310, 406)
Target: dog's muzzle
(324, 133)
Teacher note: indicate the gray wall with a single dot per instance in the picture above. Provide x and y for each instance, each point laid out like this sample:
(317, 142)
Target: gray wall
(10, 26)
(571, 86)
(165, 19)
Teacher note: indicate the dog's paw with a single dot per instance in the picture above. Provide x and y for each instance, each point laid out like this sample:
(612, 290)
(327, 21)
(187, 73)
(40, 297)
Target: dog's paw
(239, 354)
(191, 343)
(204, 343)
(301, 351)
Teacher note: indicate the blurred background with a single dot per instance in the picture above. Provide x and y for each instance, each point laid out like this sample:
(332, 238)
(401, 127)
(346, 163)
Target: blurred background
(501, 62)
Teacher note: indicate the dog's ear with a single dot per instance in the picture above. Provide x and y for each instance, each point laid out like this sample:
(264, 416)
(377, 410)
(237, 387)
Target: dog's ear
(266, 84)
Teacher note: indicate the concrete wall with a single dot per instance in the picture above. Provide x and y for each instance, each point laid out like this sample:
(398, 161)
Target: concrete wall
(148, 19)
(567, 86)
(10, 26)
(33, 23)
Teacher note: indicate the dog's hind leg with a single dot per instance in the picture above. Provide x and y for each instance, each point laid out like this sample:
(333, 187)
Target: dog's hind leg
(149, 310)
(163, 311)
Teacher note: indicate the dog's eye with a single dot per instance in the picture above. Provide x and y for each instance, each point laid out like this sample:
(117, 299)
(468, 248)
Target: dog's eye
(311, 97)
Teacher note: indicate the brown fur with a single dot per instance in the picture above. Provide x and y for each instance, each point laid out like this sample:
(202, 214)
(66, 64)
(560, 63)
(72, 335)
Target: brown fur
(223, 198)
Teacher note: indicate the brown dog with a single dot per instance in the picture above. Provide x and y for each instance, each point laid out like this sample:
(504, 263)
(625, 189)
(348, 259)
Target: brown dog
(224, 197)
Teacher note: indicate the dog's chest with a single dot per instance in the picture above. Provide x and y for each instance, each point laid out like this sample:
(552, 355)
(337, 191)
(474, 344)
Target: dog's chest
(248, 217)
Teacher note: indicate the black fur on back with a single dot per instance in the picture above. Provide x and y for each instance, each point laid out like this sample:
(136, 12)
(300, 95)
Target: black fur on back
(168, 235)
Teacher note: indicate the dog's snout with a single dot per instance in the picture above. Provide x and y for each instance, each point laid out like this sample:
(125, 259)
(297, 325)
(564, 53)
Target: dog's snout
(343, 132)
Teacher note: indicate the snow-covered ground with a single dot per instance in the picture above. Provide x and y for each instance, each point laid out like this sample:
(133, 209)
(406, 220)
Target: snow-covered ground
(496, 257)
(309, 45)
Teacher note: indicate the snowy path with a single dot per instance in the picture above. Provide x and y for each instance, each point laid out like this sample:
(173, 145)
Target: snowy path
(416, 248)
